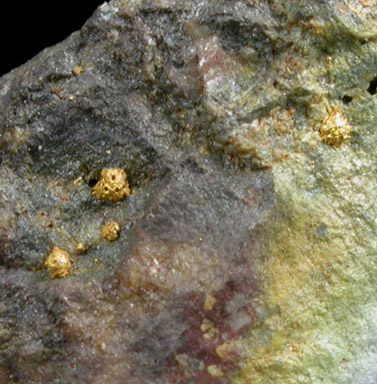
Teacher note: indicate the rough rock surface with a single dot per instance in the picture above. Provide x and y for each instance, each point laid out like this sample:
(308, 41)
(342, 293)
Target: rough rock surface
(248, 251)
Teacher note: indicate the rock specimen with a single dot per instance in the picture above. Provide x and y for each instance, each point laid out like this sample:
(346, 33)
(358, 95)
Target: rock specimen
(248, 250)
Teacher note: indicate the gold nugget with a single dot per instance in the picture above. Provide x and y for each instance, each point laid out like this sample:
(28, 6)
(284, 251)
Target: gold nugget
(112, 186)
(111, 231)
(335, 128)
(58, 263)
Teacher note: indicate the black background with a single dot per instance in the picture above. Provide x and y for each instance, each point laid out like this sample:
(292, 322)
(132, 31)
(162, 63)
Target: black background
(27, 27)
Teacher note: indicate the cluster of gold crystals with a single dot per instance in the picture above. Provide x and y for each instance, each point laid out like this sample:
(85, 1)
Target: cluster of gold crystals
(58, 263)
(112, 186)
(335, 128)
(111, 230)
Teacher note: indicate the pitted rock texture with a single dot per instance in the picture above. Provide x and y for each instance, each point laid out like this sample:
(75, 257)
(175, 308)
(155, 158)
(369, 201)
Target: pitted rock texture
(247, 249)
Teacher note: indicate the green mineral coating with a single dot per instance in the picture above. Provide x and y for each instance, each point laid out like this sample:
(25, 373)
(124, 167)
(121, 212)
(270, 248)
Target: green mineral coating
(319, 268)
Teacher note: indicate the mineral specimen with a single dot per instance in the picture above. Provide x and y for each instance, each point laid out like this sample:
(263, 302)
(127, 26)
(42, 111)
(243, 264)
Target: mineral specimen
(248, 246)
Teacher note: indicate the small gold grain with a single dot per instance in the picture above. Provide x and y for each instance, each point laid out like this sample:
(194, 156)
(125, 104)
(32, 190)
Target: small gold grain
(58, 263)
(226, 350)
(209, 302)
(111, 231)
(211, 333)
(78, 181)
(208, 329)
(77, 71)
(206, 325)
(80, 247)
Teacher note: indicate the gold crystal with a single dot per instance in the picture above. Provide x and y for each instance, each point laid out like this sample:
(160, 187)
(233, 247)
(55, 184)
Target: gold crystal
(58, 263)
(111, 230)
(335, 128)
(112, 186)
